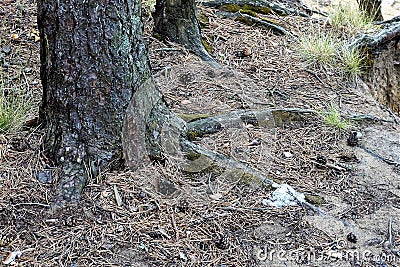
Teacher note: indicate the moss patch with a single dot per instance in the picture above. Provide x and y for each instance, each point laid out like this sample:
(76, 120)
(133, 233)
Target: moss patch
(192, 156)
(203, 20)
(230, 7)
(206, 45)
(249, 12)
(246, 9)
(282, 117)
(157, 36)
(315, 200)
(244, 20)
(193, 117)
(200, 164)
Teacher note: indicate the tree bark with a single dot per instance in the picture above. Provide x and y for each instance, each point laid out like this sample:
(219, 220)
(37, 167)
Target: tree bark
(372, 8)
(260, 6)
(176, 21)
(382, 54)
(94, 68)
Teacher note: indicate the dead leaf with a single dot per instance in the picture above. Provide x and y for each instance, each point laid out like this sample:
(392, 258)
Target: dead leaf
(34, 31)
(15, 37)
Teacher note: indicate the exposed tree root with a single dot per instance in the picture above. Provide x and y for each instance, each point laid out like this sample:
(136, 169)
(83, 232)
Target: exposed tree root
(368, 117)
(248, 19)
(395, 19)
(380, 157)
(388, 33)
(257, 6)
(246, 171)
(264, 118)
(226, 162)
(269, 118)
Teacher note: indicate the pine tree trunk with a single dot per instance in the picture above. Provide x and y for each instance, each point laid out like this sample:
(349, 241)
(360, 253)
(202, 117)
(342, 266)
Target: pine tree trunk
(372, 8)
(93, 61)
(176, 21)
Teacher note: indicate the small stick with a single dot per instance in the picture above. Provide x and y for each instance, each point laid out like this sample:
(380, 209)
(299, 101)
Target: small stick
(33, 204)
(329, 165)
(393, 115)
(174, 225)
(390, 236)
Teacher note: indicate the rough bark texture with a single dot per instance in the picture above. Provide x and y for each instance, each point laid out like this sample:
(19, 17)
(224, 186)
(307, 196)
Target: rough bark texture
(176, 21)
(383, 57)
(390, 31)
(383, 77)
(92, 61)
(372, 8)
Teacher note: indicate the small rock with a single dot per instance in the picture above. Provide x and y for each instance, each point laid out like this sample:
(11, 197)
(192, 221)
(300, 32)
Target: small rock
(186, 102)
(120, 228)
(287, 154)
(351, 237)
(255, 142)
(107, 245)
(6, 49)
(222, 242)
(166, 187)
(246, 51)
(216, 196)
(321, 159)
(198, 165)
(45, 177)
(352, 140)
(142, 194)
(105, 193)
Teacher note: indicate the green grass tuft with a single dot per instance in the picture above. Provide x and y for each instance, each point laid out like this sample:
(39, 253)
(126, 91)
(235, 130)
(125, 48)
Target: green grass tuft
(333, 118)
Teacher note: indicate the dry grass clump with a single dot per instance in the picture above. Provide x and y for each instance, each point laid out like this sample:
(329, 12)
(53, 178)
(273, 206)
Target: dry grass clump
(349, 17)
(326, 48)
(318, 47)
(14, 108)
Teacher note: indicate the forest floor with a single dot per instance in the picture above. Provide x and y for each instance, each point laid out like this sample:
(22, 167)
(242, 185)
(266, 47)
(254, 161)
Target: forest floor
(173, 217)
